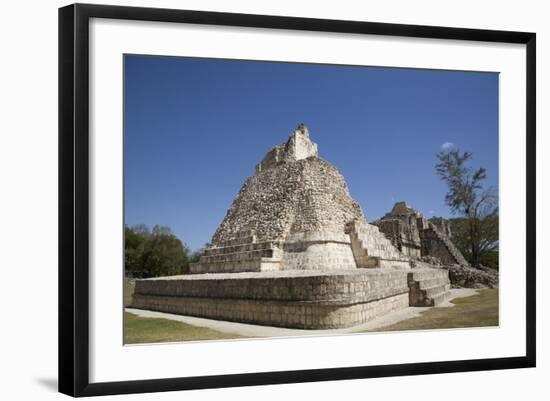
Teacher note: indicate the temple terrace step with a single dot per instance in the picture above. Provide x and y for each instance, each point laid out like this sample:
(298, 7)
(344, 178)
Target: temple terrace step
(372, 249)
(428, 287)
(248, 257)
(258, 264)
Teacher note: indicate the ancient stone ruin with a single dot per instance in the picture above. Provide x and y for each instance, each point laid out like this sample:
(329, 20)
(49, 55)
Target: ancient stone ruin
(430, 241)
(296, 213)
(296, 250)
(420, 238)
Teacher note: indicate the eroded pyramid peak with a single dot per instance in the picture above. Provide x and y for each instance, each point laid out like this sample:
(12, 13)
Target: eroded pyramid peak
(297, 147)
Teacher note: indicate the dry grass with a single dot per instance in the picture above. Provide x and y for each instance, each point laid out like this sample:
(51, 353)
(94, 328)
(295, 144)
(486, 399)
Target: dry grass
(476, 311)
(139, 330)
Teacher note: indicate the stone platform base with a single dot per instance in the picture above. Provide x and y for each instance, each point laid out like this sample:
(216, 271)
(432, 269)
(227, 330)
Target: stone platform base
(295, 299)
(428, 287)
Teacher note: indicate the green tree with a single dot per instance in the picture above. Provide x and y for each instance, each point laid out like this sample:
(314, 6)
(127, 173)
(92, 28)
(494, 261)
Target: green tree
(488, 252)
(194, 257)
(135, 241)
(154, 253)
(467, 198)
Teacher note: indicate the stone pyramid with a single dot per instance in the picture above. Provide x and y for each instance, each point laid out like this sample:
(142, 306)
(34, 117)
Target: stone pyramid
(296, 213)
(295, 250)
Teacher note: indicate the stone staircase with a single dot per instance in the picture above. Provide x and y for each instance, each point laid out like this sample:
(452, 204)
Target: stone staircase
(371, 248)
(453, 250)
(240, 254)
(428, 287)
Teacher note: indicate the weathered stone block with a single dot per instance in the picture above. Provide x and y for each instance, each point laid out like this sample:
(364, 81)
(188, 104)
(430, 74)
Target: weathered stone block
(284, 307)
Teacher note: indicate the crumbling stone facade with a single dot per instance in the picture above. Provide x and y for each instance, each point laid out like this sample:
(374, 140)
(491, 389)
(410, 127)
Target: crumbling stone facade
(402, 226)
(442, 225)
(419, 237)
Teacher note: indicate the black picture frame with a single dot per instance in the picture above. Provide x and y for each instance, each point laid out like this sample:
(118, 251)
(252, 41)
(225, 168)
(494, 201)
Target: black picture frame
(74, 198)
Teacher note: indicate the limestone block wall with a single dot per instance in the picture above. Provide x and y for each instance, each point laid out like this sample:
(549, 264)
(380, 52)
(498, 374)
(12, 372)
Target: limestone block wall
(259, 264)
(317, 250)
(241, 254)
(313, 300)
(372, 249)
(428, 287)
(280, 314)
(400, 236)
(318, 256)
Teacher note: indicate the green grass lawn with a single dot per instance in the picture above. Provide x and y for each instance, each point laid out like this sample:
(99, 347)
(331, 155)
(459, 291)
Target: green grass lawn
(476, 311)
(153, 330)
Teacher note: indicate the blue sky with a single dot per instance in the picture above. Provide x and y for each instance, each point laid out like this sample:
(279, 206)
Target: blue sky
(195, 129)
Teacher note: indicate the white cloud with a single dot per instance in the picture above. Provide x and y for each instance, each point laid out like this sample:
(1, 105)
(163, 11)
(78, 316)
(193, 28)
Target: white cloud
(447, 145)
